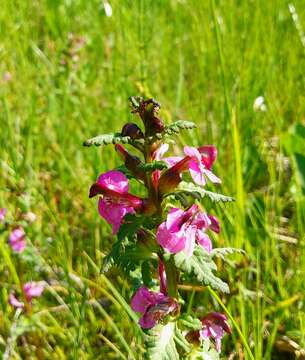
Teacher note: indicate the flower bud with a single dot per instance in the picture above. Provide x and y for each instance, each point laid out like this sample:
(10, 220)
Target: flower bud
(171, 178)
(132, 130)
(132, 162)
(148, 111)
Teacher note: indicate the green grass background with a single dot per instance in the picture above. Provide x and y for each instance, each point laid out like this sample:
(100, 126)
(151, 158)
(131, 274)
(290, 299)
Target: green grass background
(66, 73)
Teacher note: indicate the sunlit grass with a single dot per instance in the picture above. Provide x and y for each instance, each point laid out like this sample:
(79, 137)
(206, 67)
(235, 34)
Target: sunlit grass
(66, 73)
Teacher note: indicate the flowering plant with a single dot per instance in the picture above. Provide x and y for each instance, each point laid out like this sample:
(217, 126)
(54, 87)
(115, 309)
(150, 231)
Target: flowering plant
(164, 238)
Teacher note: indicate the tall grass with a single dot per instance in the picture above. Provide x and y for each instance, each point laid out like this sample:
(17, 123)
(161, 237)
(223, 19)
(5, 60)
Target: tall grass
(66, 72)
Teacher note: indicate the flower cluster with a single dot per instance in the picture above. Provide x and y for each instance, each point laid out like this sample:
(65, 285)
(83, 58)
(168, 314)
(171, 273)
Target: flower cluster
(18, 243)
(176, 223)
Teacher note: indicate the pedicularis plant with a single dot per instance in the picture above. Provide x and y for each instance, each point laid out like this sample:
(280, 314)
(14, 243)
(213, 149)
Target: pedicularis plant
(163, 239)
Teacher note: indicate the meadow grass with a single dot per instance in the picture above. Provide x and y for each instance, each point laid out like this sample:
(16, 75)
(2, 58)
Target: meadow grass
(67, 71)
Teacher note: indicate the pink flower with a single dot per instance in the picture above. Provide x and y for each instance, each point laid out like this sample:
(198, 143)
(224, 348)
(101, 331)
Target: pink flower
(201, 163)
(17, 240)
(182, 229)
(198, 161)
(33, 289)
(30, 290)
(214, 325)
(14, 301)
(157, 155)
(153, 306)
(116, 202)
(2, 214)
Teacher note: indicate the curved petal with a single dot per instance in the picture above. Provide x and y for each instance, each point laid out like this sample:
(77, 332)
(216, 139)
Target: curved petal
(212, 177)
(173, 160)
(204, 240)
(196, 173)
(174, 219)
(141, 300)
(209, 155)
(172, 242)
(113, 213)
(158, 154)
(114, 180)
(214, 224)
(192, 152)
(190, 234)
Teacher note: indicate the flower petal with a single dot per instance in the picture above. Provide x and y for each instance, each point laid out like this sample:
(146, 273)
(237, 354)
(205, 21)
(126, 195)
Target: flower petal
(158, 154)
(196, 173)
(113, 213)
(212, 177)
(204, 240)
(172, 242)
(114, 180)
(141, 300)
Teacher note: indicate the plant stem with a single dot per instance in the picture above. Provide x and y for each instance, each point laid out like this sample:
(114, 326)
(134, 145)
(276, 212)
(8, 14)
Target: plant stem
(172, 276)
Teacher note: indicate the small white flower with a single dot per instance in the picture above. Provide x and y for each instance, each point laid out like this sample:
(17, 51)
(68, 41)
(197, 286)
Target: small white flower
(30, 217)
(259, 104)
(108, 9)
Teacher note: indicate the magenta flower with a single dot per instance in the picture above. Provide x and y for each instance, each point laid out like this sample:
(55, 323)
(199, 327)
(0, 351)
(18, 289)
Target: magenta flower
(214, 325)
(33, 289)
(199, 163)
(115, 202)
(182, 229)
(157, 155)
(17, 240)
(14, 301)
(153, 306)
(30, 290)
(2, 214)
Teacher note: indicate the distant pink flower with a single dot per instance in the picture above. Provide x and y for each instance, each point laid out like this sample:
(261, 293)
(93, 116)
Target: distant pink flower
(2, 214)
(153, 306)
(30, 290)
(214, 325)
(33, 289)
(14, 301)
(17, 240)
(182, 229)
(116, 202)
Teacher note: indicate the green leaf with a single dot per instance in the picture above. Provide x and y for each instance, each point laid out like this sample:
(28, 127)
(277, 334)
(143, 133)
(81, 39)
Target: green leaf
(201, 265)
(181, 341)
(126, 253)
(155, 165)
(199, 193)
(190, 322)
(179, 125)
(160, 344)
(107, 139)
(223, 252)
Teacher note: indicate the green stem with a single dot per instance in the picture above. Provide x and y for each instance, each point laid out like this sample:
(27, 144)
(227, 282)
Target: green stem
(172, 277)
(241, 335)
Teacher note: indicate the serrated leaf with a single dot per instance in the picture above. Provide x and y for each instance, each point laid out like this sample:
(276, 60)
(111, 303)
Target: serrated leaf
(201, 265)
(155, 165)
(106, 139)
(223, 252)
(181, 341)
(179, 125)
(160, 344)
(190, 322)
(198, 192)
